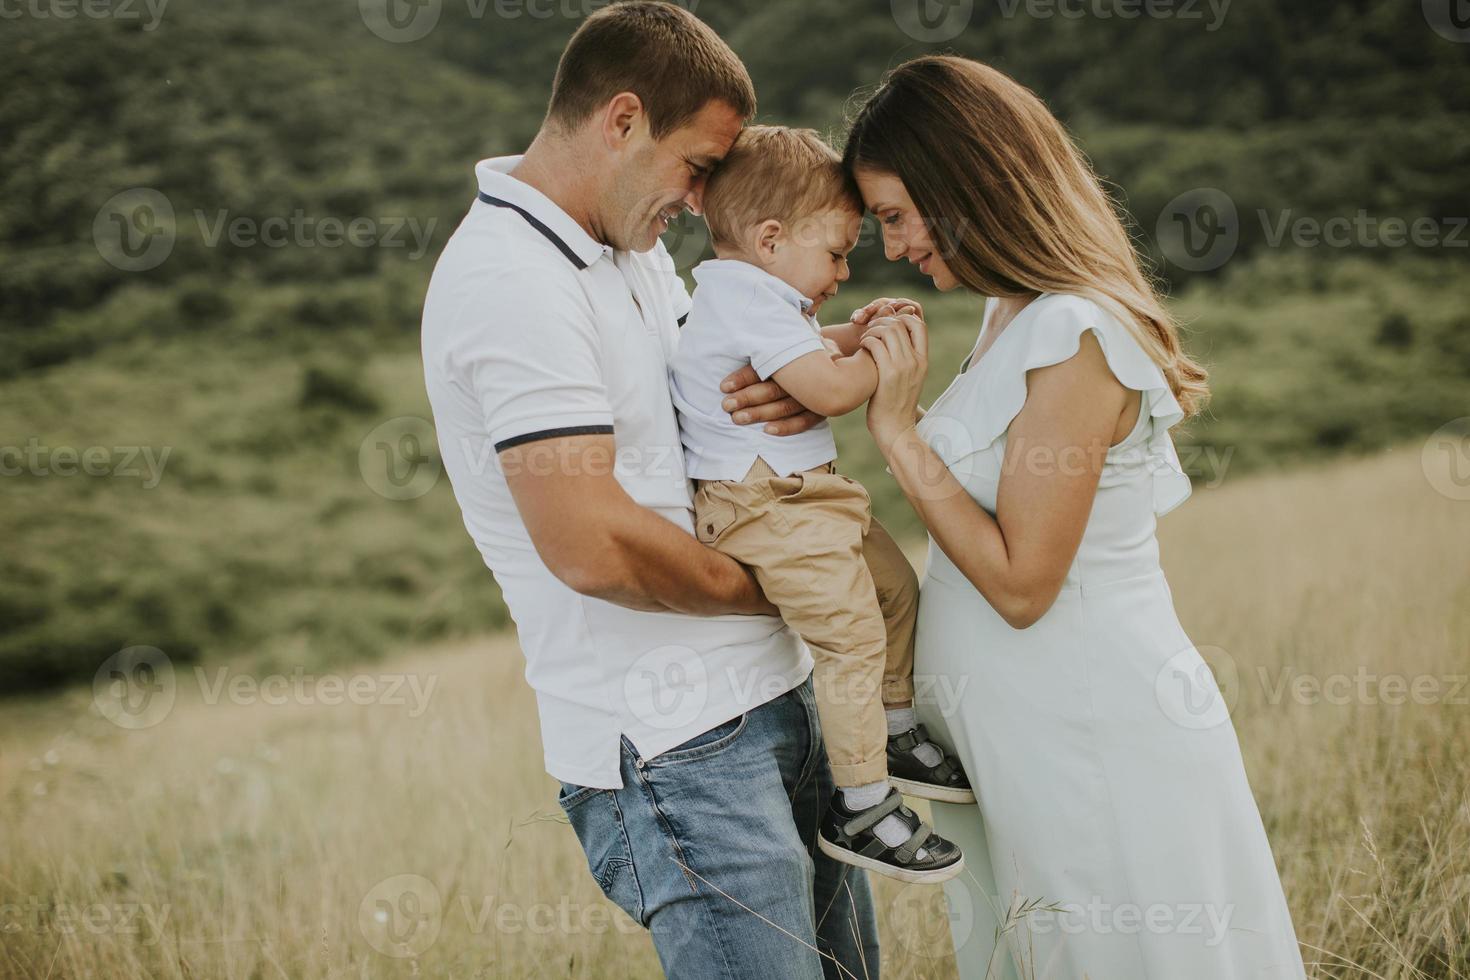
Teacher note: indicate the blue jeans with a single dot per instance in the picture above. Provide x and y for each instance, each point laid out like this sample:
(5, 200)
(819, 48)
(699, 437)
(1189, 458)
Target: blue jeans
(730, 818)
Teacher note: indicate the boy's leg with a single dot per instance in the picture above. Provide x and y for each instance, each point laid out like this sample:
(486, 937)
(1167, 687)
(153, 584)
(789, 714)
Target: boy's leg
(803, 536)
(898, 597)
(898, 594)
(708, 846)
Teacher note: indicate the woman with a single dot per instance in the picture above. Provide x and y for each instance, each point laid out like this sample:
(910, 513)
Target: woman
(1116, 836)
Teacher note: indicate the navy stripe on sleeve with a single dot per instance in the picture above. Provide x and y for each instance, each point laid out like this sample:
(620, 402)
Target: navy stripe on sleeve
(570, 430)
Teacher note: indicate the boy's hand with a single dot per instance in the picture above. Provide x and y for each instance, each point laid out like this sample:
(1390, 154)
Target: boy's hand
(749, 399)
(832, 348)
(886, 306)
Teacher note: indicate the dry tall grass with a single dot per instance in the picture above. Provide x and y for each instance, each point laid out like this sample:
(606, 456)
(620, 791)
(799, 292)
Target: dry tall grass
(270, 840)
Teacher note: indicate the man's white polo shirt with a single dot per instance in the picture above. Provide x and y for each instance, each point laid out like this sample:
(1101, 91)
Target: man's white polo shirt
(533, 330)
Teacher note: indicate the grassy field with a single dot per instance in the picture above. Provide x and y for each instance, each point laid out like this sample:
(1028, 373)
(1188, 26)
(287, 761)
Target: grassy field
(365, 822)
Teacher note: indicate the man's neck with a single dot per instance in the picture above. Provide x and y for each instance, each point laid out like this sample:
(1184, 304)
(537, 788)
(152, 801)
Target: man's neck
(549, 165)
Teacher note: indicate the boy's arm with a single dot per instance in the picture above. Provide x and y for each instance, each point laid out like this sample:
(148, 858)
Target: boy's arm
(829, 386)
(848, 335)
(845, 336)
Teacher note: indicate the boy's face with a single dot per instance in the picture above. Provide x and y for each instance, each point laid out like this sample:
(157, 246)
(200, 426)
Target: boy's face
(811, 253)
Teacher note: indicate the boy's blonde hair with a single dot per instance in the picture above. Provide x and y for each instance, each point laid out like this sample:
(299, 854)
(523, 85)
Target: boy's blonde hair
(775, 172)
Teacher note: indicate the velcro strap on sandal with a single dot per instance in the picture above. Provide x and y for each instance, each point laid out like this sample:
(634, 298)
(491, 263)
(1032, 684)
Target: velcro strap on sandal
(905, 742)
(944, 770)
(911, 739)
(909, 848)
(866, 819)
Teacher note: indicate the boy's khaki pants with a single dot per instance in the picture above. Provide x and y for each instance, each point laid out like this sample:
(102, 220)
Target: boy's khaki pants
(841, 582)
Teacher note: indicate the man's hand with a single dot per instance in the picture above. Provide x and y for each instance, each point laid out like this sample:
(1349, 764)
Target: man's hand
(750, 400)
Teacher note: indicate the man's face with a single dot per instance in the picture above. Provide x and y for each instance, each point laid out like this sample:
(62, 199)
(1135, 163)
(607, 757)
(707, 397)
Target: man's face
(656, 179)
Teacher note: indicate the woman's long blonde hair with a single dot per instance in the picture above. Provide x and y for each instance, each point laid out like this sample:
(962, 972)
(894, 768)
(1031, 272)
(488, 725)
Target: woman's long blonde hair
(1012, 205)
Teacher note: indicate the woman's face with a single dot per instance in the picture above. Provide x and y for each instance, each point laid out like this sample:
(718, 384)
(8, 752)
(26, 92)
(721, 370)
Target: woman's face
(905, 234)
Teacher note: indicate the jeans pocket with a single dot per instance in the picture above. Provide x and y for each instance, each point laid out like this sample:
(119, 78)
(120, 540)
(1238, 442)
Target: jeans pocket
(597, 821)
(705, 744)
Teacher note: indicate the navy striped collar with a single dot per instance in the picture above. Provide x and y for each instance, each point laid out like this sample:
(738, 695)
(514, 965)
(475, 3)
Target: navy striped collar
(539, 225)
(499, 189)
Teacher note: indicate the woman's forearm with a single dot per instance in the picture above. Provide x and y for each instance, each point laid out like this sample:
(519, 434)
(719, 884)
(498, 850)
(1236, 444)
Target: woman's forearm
(964, 531)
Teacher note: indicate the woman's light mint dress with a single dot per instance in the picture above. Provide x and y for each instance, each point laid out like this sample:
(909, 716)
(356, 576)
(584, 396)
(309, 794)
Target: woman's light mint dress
(1108, 774)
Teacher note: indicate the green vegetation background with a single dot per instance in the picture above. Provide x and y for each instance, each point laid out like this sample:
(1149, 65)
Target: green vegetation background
(262, 369)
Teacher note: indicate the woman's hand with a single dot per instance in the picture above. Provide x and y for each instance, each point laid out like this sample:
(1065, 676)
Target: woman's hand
(900, 346)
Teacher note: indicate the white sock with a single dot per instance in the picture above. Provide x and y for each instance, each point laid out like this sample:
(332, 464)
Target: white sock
(901, 720)
(890, 830)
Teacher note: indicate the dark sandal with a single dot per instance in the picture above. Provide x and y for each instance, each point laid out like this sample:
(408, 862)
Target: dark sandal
(945, 783)
(847, 836)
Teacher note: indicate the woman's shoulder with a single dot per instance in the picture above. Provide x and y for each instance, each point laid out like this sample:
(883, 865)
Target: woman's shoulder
(1061, 317)
(1052, 331)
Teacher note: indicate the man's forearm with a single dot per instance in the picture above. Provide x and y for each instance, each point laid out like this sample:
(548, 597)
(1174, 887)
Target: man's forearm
(649, 563)
(600, 542)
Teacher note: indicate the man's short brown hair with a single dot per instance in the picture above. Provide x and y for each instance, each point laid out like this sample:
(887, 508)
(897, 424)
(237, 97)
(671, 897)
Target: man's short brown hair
(775, 172)
(661, 53)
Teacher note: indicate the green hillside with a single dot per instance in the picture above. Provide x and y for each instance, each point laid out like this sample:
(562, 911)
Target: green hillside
(214, 321)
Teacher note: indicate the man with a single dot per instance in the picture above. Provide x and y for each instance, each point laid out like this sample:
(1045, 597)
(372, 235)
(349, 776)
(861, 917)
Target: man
(676, 708)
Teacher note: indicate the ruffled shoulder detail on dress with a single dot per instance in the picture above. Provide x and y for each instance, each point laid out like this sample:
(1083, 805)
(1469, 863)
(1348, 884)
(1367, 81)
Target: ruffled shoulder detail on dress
(1049, 331)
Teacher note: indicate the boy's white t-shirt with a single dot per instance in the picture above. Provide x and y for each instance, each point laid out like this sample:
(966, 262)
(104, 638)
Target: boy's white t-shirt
(741, 315)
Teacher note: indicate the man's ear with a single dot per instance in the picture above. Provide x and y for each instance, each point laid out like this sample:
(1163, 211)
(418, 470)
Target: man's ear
(621, 118)
(767, 237)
